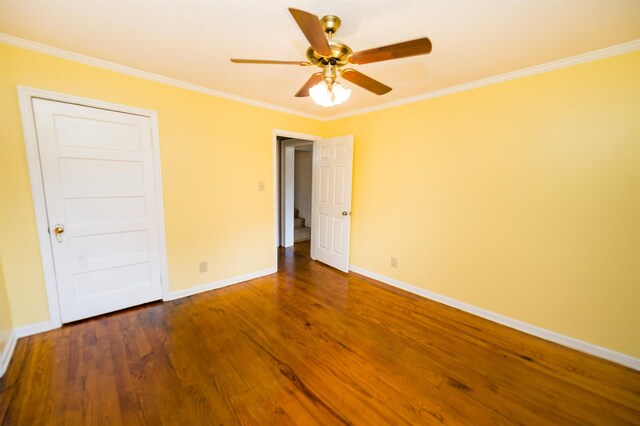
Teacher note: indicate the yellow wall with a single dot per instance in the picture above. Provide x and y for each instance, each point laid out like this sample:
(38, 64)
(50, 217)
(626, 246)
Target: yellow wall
(522, 198)
(6, 325)
(213, 210)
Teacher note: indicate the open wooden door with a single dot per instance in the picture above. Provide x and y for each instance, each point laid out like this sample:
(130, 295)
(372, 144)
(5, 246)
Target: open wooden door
(331, 203)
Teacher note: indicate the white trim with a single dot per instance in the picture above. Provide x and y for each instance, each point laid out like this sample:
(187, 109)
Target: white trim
(162, 235)
(525, 72)
(7, 352)
(533, 330)
(25, 94)
(276, 187)
(41, 327)
(595, 55)
(122, 69)
(37, 194)
(219, 284)
(31, 329)
(288, 175)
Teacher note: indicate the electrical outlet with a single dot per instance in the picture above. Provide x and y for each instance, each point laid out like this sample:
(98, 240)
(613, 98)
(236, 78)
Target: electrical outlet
(261, 186)
(204, 266)
(394, 262)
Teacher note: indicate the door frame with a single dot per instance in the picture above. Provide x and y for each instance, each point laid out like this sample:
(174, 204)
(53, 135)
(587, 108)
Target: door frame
(276, 181)
(25, 94)
(287, 196)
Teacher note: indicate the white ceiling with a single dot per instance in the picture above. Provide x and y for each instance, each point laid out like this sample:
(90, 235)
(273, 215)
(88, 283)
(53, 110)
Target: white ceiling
(192, 41)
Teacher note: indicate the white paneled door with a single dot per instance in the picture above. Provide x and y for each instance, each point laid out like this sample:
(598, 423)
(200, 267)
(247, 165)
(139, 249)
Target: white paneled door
(99, 183)
(332, 171)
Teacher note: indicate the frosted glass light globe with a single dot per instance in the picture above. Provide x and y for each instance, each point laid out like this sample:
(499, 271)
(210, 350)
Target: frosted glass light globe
(322, 96)
(340, 93)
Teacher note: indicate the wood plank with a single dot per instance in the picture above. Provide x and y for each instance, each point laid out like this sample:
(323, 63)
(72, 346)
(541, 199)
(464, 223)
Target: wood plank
(307, 345)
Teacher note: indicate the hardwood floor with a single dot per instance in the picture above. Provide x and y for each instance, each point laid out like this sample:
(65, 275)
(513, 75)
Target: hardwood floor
(308, 345)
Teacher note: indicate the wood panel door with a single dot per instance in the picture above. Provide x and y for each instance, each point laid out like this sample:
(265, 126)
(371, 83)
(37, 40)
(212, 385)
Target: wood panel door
(331, 204)
(99, 185)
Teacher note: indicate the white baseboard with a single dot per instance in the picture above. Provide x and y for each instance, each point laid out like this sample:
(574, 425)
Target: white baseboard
(533, 330)
(7, 352)
(219, 284)
(39, 327)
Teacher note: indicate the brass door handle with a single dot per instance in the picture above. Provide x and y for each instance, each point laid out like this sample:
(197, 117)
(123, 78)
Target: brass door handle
(59, 231)
(346, 213)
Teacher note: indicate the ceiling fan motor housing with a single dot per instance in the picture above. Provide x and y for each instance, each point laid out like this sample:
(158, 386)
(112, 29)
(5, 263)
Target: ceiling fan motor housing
(340, 54)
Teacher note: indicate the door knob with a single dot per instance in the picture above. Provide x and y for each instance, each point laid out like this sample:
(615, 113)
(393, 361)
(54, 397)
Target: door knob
(345, 213)
(59, 231)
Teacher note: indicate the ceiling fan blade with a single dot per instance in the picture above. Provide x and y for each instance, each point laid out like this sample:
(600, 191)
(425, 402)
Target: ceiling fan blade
(420, 46)
(313, 80)
(266, 61)
(364, 81)
(312, 30)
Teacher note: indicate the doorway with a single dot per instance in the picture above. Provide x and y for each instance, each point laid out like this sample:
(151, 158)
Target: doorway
(331, 185)
(294, 179)
(302, 189)
(284, 144)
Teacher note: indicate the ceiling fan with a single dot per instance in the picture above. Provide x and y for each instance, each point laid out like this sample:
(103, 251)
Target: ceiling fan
(332, 56)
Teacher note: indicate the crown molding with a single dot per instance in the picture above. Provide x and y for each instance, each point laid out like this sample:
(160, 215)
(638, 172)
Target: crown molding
(122, 69)
(595, 55)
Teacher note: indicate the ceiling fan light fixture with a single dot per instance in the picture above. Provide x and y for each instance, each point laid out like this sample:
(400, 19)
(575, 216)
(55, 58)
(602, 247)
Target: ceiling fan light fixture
(328, 96)
(332, 55)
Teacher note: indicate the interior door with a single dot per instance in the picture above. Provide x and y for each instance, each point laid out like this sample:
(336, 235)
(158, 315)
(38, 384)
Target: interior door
(99, 184)
(331, 204)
